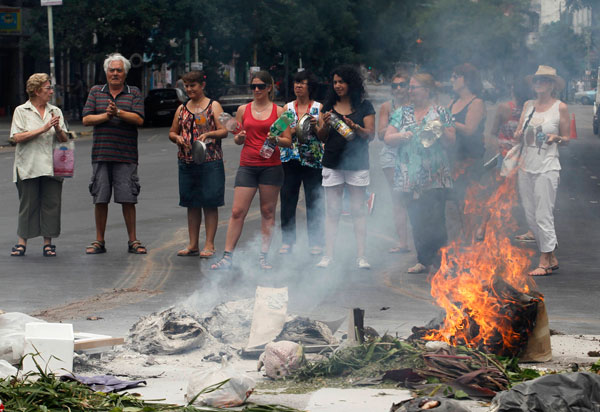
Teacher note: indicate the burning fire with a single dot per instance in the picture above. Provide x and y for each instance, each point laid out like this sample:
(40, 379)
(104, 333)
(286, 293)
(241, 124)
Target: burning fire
(471, 284)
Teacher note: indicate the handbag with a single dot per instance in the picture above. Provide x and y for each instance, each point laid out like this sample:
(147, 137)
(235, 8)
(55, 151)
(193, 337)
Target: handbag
(64, 159)
(511, 160)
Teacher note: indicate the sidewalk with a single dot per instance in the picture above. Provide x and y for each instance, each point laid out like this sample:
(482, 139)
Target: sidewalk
(72, 125)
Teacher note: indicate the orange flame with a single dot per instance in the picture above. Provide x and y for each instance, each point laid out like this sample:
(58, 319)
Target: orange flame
(476, 313)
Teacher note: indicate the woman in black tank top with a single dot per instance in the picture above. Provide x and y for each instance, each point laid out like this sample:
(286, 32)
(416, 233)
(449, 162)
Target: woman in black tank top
(468, 111)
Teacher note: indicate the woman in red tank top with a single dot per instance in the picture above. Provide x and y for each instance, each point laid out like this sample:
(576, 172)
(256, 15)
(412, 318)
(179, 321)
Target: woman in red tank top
(256, 172)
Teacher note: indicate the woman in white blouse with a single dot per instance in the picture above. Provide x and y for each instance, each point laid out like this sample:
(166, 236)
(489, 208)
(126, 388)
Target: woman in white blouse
(547, 120)
(36, 125)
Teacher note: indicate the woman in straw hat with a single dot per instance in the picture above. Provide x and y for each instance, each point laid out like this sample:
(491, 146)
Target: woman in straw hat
(547, 120)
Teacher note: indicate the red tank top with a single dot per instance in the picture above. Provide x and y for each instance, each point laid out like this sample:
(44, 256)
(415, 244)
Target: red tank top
(256, 134)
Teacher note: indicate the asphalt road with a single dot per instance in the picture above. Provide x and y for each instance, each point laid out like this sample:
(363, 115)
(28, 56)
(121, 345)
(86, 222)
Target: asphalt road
(118, 287)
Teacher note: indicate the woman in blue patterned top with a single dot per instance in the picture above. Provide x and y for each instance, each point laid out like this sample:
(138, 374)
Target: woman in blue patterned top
(423, 167)
(302, 165)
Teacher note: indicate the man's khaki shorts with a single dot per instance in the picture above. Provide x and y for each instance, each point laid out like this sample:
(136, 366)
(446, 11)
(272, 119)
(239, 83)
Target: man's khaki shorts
(122, 177)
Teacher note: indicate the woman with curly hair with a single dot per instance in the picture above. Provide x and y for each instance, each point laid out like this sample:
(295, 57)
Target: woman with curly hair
(346, 162)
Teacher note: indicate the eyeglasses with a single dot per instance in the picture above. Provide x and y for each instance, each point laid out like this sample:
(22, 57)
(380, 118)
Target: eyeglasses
(300, 84)
(48, 87)
(402, 85)
(541, 79)
(415, 87)
(259, 86)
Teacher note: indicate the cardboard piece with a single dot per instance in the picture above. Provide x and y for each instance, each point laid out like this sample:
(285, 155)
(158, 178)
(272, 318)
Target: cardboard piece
(539, 348)
(269, 316)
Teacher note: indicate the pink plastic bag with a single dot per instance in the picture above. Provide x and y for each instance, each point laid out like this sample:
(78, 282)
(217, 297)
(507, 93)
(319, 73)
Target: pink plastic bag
(64, 159)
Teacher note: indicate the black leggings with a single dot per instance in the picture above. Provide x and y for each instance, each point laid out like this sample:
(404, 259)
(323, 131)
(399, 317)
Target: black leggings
(294, 175)
(428, 219)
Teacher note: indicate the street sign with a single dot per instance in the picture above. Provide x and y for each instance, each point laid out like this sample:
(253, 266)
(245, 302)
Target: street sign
(10, 20)
(51, 2)
(197, 65)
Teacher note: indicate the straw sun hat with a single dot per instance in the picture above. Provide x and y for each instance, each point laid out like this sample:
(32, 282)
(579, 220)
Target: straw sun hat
(550, 73)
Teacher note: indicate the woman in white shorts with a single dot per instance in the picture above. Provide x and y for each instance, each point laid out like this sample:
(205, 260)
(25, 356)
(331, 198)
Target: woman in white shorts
(346, 162)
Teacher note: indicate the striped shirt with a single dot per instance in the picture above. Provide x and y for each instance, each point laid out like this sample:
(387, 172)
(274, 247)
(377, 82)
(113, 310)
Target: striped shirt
(114, 140)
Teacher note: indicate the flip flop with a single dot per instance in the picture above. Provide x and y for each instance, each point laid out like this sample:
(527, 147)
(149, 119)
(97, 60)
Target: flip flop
(188, 252)
(525, 237)
(399, 249)
(207, 253)
(546, 270)
(285, 249)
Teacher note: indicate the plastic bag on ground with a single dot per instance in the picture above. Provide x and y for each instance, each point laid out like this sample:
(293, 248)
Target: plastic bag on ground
(12, 335)
(281, 358)
(565, 392)
(6, 369)
(233, 393)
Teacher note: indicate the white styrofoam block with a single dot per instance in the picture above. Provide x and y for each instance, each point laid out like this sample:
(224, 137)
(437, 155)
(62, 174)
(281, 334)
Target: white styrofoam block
(54, 342)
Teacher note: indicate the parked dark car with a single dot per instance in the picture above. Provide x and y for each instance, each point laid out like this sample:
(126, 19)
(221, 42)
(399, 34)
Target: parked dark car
(236, 95)
(161, 104)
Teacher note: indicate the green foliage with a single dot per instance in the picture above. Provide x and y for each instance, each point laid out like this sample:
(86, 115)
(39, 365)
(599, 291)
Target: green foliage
(436, 34)
(558, 46)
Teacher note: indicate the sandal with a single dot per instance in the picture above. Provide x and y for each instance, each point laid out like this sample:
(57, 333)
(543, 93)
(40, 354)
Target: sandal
(207, 253)
(18, 250)
(285, 249)
(188, 252)
(136, 247)
(49, 250)
(225, 263)
(262, 261)
(541, 271)
(96, 247)
(399, 249)
(316, 250)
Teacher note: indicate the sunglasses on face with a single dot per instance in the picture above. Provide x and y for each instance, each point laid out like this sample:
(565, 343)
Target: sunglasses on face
(402, 85)
(259, 86)
(542, 80)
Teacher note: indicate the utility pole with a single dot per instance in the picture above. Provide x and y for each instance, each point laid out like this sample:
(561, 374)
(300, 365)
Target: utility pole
(49, 4)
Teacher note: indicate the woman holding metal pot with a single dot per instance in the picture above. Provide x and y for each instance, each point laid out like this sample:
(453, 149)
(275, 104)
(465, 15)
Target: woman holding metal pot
(424, 135)
(302, 166)
(256, 173)
(547, 120)
(36, 126)
(388, 155)
(197, 132)
(347, 125)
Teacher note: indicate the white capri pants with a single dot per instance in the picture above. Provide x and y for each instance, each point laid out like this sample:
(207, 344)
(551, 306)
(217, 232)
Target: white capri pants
(538, 194)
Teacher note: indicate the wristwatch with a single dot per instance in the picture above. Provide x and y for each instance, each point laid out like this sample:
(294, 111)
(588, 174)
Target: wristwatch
(118, 112)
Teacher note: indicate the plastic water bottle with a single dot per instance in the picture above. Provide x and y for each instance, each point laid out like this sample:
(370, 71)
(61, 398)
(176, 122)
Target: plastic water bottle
(232, 125)
(268, 147)
(341, 127)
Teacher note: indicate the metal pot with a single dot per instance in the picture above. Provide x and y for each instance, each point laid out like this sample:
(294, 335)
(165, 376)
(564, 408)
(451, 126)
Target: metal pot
(198, 151)
(304, 128)
(430, 133)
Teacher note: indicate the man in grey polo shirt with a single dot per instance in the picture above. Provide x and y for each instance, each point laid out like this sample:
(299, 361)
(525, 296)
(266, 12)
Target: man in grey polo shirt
(115, 110)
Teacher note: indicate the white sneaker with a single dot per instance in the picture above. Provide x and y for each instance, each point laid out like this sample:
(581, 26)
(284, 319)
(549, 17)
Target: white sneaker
(325, 262)
(362, 263)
